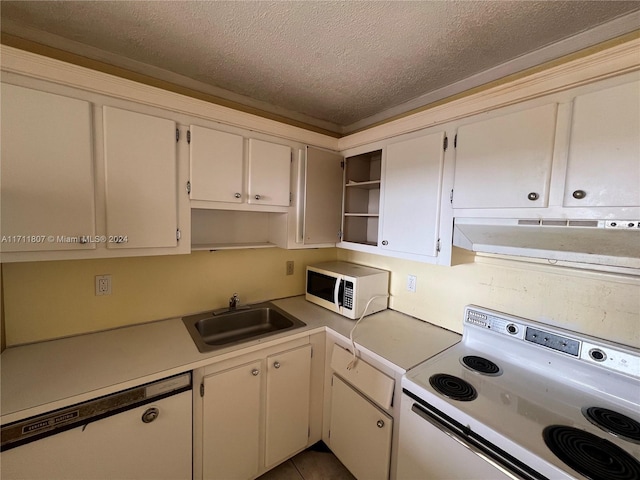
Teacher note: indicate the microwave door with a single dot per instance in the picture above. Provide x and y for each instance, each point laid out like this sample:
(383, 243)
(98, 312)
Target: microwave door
(338, 294)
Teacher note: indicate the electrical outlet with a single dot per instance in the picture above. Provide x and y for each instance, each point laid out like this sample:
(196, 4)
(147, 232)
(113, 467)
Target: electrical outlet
(289, 267)
(103, 284)
(412, 280)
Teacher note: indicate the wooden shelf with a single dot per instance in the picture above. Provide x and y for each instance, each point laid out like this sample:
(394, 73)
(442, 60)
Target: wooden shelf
(364, 185)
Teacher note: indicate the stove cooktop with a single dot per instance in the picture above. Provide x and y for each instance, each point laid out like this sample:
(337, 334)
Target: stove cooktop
(536, 391)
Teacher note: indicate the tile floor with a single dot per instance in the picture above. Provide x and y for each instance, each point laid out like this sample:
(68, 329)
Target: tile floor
(315, 463)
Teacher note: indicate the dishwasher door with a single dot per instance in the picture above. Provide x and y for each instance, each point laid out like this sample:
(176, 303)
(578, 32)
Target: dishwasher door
(146, 438)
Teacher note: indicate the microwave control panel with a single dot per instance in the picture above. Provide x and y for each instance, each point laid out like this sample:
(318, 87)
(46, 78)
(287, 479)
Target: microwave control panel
(348, 295)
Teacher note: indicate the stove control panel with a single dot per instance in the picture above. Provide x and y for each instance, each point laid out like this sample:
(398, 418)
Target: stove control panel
(494, 323)
(612, 358)
(551, 340)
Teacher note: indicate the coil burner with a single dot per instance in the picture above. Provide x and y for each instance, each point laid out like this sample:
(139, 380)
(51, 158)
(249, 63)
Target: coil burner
(453, 387)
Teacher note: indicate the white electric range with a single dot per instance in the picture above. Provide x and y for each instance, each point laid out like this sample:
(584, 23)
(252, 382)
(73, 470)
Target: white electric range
(519, 399)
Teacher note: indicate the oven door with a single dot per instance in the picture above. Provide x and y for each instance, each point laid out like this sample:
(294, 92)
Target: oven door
(430, 448)
(325, 289)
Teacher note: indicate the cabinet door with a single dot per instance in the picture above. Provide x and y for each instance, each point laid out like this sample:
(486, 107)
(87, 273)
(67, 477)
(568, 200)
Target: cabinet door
(288, 387)
(141, 183)
(231, 423)
(604, 150)
(323, 196)
(360, 433)
(47, 189)
(269, 173)
(412, 190)
(505, 161)
(216, 165)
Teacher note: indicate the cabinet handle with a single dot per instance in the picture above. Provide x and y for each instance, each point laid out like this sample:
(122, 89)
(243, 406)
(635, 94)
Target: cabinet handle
(276, 364)
(257, 197)
(255, 372)
(579, 194)
(150, 414)
(237, 195)
(533, 196)
(384, 242)
(380, 423)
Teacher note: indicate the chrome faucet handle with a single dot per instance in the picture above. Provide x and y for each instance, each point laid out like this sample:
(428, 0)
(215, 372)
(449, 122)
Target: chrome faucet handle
(234, 301)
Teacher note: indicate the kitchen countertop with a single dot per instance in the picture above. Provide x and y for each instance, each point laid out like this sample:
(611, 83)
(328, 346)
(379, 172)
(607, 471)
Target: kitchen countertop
(45, 376)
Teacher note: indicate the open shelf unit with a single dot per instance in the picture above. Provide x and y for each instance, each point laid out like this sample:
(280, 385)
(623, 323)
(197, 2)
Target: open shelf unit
(362, 198)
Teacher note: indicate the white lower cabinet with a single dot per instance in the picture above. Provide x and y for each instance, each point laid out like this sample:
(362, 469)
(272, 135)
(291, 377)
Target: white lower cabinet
(360, 433)
(231, 433)
(254, 412)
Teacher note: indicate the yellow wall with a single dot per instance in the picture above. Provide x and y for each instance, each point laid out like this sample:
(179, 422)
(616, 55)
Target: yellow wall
(45, 300)
(601, 305)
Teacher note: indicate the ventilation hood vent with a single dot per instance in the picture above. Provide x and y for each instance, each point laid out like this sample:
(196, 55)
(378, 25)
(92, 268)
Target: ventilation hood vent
(600, 242)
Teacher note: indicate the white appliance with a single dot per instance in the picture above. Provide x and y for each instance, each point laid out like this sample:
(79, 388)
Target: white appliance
(519, 399)
(140, 433)
(347, 288)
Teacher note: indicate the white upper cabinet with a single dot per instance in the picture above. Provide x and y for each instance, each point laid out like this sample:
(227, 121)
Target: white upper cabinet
(322, 196)
(141, 179)
(216, 165)
(604, 149)
(412, 190)
(222, 173)
(269, 173)
(47, 189)
(505, 161)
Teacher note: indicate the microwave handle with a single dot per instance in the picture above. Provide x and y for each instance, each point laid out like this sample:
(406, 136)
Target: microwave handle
(336, 293)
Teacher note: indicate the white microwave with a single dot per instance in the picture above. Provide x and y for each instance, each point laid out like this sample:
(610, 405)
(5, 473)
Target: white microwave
(346, 288)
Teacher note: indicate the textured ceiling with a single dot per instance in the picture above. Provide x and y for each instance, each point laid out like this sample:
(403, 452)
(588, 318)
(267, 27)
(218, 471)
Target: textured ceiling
(337, 65)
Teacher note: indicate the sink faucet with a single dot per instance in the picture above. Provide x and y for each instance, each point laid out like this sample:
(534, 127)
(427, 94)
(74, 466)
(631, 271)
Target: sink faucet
(234, 301)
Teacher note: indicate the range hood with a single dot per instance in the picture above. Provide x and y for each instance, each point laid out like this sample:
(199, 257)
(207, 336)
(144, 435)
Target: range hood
(600, 242)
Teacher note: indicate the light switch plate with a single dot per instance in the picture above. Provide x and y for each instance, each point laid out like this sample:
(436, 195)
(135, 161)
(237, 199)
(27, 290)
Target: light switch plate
(412, 280)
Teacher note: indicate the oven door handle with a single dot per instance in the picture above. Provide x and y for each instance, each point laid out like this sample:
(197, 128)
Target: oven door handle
(455, 433)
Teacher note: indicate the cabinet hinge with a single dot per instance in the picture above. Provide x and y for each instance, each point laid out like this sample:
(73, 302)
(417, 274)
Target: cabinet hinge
(178, 235)
(342, 164)
(455, 141)
(177, 135)
(339, 234)
(188, 187)
(290, 197)
(438, 246)
(451, 196)
(445, 143)
(202, 389)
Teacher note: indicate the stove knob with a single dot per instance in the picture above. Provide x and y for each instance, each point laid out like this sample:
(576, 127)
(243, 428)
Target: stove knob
(512, 329)
(597, 355)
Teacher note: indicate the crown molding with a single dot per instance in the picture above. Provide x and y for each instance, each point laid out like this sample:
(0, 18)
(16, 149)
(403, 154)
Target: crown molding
(37, 66)
(617, 60)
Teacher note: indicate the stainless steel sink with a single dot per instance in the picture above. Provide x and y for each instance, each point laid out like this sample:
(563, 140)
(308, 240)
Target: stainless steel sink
(211, 331)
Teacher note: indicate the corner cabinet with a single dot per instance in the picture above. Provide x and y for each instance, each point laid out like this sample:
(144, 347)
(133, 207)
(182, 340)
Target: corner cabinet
(412, 191)
(393, 199)
(255, 412)
(362, 198)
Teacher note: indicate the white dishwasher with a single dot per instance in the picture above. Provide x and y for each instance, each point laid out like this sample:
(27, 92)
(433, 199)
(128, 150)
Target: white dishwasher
(140, 433)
